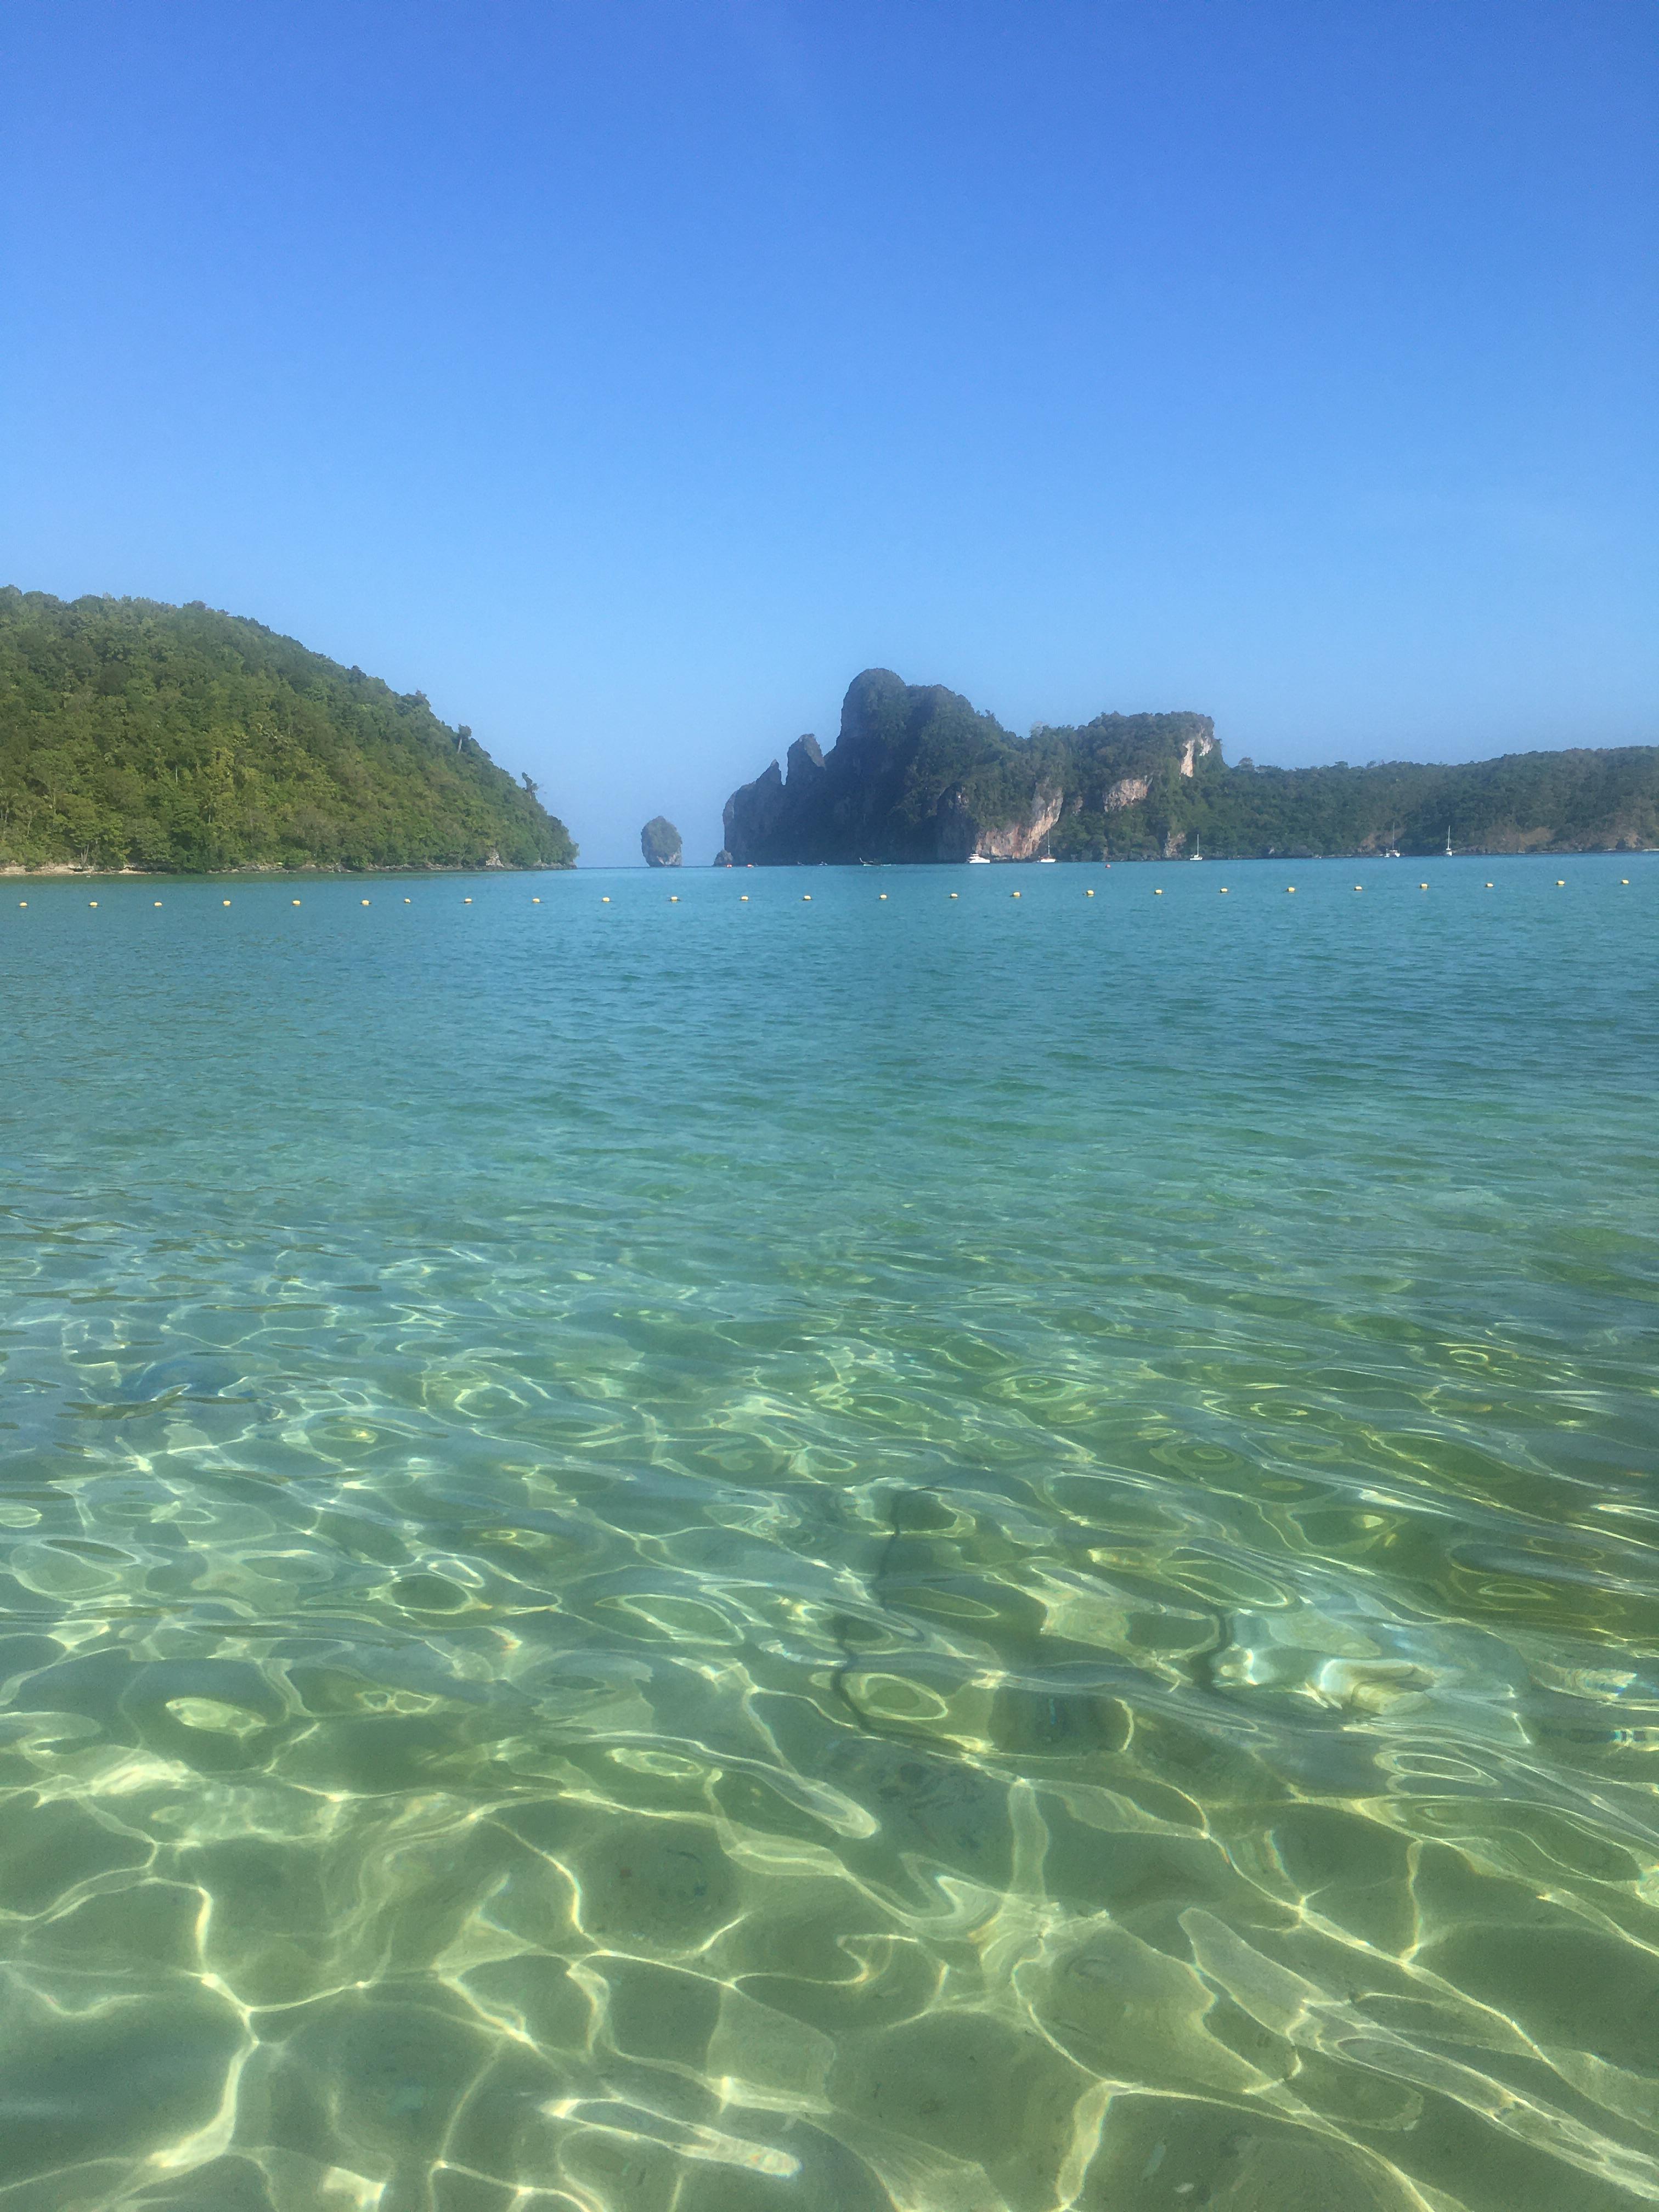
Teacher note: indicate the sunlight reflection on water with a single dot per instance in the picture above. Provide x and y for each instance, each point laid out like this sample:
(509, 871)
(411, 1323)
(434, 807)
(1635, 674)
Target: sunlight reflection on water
(880, 1554)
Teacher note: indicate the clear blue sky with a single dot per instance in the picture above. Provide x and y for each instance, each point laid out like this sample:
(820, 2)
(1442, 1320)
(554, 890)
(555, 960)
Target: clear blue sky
(627, 376)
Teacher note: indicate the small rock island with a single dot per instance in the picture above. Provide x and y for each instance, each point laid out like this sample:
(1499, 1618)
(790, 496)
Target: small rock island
(659, 841)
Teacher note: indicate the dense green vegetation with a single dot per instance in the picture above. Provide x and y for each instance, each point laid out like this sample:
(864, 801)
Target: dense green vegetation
(1576, 801)
(138, 735)
(918, 774)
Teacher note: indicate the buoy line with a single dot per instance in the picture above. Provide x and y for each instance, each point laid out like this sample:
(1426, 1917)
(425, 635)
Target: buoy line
(675, 898)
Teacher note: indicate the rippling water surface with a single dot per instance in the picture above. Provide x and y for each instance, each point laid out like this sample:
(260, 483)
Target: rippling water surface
(868, 1554)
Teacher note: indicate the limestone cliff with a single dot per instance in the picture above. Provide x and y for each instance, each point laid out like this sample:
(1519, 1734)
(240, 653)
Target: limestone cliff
(917, 774)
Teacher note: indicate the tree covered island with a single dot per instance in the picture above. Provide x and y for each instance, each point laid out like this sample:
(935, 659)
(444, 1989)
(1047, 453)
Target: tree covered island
(136, 735)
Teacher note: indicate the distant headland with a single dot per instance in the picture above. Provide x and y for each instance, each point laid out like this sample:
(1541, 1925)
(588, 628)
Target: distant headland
(136, 735)
(917, 774)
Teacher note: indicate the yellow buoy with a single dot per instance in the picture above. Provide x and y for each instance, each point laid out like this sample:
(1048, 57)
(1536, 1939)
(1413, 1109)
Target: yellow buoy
(465, 901)
(1488, 886)
(1422, 887)
(1360, 887)
(1560, 883)
(1291, 888)
(673, 898)
(407, 902)
(1623, 880)
(1013, 894)
(743, 897)
(222, 902)
(881, 895)
(604, 899)
(1224, 890)
(1159, 893)
(158, 902)
(91, 902)
(365, 901)
(535, 901)
(954, 894)
(807, 898)
(1086, 893)
(296, 901)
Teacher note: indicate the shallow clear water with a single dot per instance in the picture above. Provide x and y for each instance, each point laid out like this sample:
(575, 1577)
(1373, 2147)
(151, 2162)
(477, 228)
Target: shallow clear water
(909, 1553)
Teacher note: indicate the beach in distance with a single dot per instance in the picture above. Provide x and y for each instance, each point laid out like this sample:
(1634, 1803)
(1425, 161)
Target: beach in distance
(738, 1533)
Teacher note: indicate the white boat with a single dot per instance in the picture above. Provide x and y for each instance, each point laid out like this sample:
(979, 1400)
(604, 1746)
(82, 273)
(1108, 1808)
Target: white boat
(1197, 854)
(1451, 855)
(979, 859)
(1048, 861)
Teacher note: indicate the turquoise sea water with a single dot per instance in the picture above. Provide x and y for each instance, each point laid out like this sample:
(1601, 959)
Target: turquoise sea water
(861, 1555)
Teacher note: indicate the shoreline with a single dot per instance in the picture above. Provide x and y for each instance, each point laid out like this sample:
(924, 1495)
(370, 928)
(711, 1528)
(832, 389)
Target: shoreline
(16, 870)
(308, 868)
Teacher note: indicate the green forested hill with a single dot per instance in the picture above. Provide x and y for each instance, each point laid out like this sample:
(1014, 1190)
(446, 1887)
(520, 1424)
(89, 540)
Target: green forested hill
(1579, 801)
(138, 735)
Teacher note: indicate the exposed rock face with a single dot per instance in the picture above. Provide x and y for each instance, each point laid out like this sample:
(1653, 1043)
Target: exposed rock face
(961, 832)
(659, 841)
